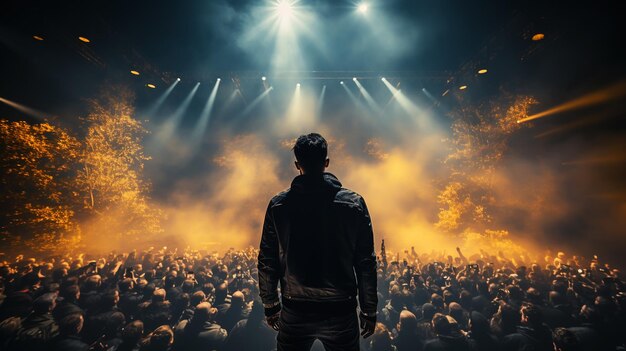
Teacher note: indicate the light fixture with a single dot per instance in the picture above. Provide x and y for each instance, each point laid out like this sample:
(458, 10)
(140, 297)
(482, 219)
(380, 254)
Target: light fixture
(84, 40)
(341, 82)
(178, 79)
(284, 8)
(383, 79)
(263, 78)
(135, 73)
(482, 71)
(37, 37)
(354, 79)
(298, 85)
(538, 36)
(151, 86)
(362, 8)
(463, 87)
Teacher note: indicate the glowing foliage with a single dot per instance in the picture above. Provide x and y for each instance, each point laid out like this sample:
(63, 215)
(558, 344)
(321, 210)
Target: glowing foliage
(56, 187)
(112, 166)
(479, 140)
(38, 198)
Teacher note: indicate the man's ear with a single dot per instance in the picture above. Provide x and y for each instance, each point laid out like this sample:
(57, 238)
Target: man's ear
(327, 162)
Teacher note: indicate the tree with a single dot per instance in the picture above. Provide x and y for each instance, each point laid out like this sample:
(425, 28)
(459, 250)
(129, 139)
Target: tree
(39, 197)
(112, 165)
(479, 140)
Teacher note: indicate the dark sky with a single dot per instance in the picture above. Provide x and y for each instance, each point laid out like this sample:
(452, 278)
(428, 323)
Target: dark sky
(436, 45)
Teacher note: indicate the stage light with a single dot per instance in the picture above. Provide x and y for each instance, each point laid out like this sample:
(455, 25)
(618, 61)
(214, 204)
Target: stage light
(178, 79)
(151, 86)
(341, 82)
(362, 8)
(219, 79)
(463, 87)
(135, 73)
(263, 78)
(284, 8)
(37, 37)
(538, 36)
(354, 79)
(84, 40)
(482, 71)
(383, 79)
(298, 85)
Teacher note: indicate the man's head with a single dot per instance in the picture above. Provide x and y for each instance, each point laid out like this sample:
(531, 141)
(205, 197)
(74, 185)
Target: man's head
(441, 324)
(311, 153)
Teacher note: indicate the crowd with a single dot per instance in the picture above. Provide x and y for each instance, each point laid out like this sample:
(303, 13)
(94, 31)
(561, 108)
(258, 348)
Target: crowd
(169, 300)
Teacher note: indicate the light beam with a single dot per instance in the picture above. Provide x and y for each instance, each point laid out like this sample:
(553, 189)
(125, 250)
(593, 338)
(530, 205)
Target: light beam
(25, 109)
(205, 116)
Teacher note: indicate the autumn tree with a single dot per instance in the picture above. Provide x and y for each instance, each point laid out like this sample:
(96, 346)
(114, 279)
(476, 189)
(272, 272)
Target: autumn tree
(111, 173)
(38, 198)
(480, 137)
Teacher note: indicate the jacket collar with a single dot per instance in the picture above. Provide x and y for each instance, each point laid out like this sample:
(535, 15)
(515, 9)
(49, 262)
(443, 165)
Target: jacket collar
(307, 183)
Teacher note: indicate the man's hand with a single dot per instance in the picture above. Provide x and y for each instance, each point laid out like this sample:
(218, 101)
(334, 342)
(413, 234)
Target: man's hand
(274, 321)
(367, 325)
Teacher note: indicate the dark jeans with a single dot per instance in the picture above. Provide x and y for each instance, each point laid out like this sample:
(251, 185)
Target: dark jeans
(298, 331)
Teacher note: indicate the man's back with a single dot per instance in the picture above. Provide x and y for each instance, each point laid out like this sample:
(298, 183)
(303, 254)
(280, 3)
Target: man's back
(318, 243)
(321, 231)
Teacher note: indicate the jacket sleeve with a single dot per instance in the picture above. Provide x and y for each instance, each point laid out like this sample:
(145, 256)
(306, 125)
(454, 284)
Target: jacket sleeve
(365, 263)
(269, 263)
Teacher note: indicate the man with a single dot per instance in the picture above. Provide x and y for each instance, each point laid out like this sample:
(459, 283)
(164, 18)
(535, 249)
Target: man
(200, 333)
(69, 329)
(447, 338)
(318, 242)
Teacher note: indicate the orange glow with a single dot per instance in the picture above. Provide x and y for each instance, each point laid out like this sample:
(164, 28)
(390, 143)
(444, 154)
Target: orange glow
(595, 98)
(482, 71)
(538, 36)
(37, 37)
(463, 87)
(84, 40)
(136, 73)
(151, 86)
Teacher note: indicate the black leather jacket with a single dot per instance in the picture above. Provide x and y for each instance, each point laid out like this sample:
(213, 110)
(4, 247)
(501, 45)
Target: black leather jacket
(318, 242)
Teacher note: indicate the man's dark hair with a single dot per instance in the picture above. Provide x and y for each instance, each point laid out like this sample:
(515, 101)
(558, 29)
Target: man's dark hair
(565, 340)
(133, 331)
(71, 324)
(441, 325)
(44, 303)
(533, 314)
(311, 151)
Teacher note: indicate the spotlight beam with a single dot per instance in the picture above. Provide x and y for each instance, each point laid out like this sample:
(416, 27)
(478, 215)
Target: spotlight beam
(180, 111)
(256, 101)
(591, 99)
(157, 104)
(170, 126)
(320, 101)
(351, 95)
(407, 105)
(25, 109)
(368, 98)
(205, 116)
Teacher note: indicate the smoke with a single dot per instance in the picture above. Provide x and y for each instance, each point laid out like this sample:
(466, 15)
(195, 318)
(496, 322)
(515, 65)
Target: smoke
(399, 169)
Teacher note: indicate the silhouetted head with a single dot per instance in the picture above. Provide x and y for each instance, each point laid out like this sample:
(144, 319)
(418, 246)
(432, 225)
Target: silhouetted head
(408, 322)
(441, 325)
(71, 324)
(44, 303)
(565, 340)
(133, 332)
(311, 153)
